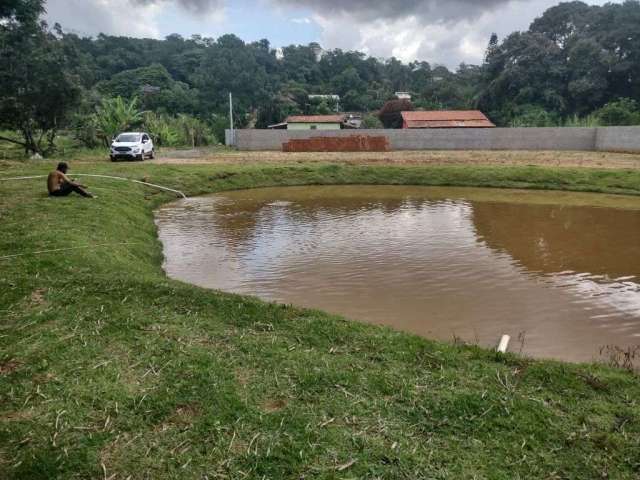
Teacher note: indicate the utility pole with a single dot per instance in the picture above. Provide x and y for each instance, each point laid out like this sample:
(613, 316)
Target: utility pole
(233, 133)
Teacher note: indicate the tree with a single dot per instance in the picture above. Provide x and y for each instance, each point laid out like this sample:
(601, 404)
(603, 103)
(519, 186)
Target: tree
(155, 89)
(130, 83)
(230, 65)
(588, 70)
(571, 61)
(348, 80)
(492, 48)
(528, 69)
(390, 114)
(562, 22)
(37, 92)
(21, 11)
(276, 111)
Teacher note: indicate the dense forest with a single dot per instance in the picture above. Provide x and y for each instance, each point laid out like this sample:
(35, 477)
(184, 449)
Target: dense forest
(575, 65)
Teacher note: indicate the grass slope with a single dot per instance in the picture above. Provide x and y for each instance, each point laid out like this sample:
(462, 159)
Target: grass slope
(108, 369)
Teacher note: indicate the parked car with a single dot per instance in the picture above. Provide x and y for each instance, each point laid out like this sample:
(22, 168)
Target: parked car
(132, 146)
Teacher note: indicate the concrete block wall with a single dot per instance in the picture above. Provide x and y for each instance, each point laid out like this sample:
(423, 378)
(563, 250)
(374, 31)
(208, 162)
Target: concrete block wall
(587, 139)
(618, 139)
(493, 139)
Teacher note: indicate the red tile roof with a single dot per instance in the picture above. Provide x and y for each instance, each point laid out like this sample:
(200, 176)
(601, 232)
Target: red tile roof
(316, 119)
(446, 119)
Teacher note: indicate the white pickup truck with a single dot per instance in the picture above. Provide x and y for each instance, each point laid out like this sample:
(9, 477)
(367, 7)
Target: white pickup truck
(132, 146)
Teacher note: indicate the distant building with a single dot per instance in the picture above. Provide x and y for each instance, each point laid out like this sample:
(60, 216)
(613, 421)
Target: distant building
(403, 95)
(311, 122)
(315, 122)
(446, 119)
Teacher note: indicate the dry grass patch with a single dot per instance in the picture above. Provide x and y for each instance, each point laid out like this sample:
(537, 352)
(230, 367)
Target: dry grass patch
(37, 299)
(243, 376)
(9, 367)
(422, 157)
(274, 405)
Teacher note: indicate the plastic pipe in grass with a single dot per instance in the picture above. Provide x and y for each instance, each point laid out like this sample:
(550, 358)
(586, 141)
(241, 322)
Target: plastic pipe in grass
(504, 344)
(153, 185)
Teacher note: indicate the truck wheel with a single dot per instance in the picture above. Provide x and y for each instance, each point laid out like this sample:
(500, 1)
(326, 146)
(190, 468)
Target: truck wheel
(152, 154)
(140, 158)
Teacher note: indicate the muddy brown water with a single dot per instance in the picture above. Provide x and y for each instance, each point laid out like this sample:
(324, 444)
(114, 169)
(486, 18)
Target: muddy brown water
(561, 270)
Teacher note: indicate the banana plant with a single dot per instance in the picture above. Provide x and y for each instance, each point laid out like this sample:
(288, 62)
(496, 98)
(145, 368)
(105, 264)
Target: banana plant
(115, 115)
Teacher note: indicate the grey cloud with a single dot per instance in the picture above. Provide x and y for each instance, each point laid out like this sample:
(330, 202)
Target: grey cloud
(194, 6)
(91, 17)
(432, 11)
(438, 31)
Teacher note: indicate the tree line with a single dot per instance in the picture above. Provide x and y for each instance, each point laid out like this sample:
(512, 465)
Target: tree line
(575, 65)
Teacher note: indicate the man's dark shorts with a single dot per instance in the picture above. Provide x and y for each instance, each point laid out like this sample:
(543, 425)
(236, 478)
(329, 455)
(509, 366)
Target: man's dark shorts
(65, 189)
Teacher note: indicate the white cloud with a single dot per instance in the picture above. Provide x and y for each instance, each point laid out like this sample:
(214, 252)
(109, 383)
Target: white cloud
(414, 37)
(302, 20)
(440, 32)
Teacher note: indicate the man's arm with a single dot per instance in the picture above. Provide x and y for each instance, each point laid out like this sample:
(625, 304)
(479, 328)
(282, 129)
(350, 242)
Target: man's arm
(68, 180)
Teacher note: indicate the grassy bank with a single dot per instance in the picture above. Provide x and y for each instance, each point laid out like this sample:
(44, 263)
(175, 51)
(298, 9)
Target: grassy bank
(109, 369)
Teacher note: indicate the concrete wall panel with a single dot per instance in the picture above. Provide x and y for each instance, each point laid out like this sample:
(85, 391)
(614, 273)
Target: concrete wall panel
(618, 139)
(586, 139)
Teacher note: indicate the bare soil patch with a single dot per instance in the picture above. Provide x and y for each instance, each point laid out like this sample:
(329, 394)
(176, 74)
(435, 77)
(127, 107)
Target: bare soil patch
(274, 405)
(9, 366)
(480, 157)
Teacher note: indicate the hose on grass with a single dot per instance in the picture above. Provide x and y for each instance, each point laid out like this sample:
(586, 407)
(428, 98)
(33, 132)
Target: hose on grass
(39, 252)
(153, 185)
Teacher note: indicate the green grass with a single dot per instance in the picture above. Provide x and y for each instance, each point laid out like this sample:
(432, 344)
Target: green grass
(109, 369)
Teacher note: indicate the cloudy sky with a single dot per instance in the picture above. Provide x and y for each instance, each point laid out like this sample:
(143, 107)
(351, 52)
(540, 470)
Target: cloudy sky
(438, 31)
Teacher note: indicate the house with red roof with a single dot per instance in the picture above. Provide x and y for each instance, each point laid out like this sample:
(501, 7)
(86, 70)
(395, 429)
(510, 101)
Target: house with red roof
(312, 122)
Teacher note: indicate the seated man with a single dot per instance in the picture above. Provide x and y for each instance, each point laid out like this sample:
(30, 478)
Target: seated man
(59, 185)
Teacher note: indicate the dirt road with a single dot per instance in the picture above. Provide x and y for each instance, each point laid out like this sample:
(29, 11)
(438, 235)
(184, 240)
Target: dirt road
(482, 157)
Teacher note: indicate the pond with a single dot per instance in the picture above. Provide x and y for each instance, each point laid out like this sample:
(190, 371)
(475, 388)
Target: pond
(558, 271)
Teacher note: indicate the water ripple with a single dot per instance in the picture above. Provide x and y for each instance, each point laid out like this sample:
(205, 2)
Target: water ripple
(436, 262)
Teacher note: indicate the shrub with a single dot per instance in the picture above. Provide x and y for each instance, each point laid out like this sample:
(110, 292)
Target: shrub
(180, 131)
(219, 123)
(533, 116)
(588, 121)
(84, 129)
(371, 121)
(160, 127)
(619, 112)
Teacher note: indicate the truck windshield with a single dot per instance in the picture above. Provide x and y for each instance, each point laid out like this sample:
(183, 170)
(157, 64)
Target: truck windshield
(128, 137)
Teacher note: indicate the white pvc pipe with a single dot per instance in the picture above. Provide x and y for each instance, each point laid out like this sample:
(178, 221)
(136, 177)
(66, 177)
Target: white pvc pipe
(22, 178)
(39, 252)
(135, 181)
(104, 176)
(504, 344)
